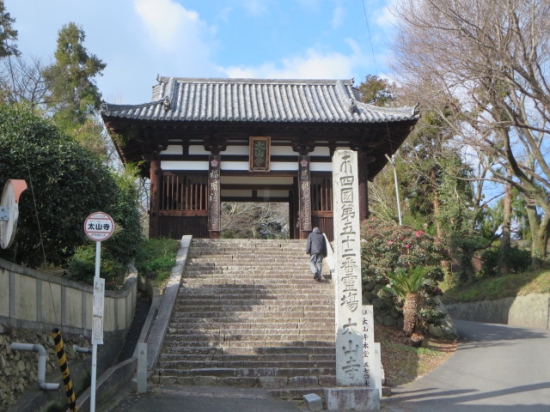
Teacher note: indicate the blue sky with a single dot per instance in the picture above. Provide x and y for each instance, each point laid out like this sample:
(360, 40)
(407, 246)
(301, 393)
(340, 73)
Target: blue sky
(139, 39)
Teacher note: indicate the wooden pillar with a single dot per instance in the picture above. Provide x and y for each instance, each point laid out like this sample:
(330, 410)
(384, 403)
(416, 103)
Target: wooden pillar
(304, 196)
(363, 161)
(214, 202)
(155, 177)
(292, 212)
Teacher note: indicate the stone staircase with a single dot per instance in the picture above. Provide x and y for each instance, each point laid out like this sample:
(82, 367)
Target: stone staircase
(250, 314)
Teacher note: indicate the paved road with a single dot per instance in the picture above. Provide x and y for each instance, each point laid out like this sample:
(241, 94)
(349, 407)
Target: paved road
(496, 368)
(202, 399)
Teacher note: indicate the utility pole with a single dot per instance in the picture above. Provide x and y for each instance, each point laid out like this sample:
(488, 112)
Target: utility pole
(392, 162)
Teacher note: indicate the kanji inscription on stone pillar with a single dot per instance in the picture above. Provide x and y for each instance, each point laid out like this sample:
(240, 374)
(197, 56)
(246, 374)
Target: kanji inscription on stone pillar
(349, 318)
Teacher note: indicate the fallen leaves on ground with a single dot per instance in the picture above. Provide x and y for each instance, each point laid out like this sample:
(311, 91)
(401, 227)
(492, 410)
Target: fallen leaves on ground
(403, 363)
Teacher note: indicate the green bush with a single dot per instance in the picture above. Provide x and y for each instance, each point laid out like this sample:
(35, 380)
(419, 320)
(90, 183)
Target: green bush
(386, 247)
(518, 261)
(156, 258)
(81, 267)
(66, 184)
(393, 257)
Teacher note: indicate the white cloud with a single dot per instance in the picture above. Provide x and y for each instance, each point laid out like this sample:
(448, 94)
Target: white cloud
(385, 18)
(312, 65)
(308, 4)
(255, 7)
(338, 16)
(169, 25)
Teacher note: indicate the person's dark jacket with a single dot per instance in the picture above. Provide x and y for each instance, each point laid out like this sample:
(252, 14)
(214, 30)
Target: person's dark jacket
(316, 243)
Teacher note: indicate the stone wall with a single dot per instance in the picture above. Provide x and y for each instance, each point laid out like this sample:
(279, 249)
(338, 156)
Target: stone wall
(33, 303)
(35, 300)
(18, 369)
(525, 311)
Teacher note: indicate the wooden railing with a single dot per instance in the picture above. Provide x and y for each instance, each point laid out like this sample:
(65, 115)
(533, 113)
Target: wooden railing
(185, 195)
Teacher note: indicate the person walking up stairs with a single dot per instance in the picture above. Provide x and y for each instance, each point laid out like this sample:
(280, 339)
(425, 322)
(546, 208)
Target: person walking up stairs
(248, 315)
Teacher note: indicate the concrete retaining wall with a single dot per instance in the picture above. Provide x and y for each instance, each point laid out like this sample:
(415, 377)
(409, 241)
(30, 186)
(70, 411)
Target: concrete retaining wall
(527, 311)
(34, 300)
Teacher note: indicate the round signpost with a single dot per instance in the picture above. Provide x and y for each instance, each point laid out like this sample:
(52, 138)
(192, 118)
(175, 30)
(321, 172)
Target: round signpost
(98, 226)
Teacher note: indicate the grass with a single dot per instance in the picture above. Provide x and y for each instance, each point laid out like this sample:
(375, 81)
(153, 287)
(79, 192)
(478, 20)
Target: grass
(403, 363)
(499, 287)
(156, 258)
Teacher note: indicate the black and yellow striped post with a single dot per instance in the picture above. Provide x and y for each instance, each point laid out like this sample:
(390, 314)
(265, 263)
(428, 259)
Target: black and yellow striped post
(62, 360)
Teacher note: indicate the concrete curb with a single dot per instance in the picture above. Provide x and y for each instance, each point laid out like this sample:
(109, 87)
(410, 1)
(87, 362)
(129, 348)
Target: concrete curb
(115, 378)
(108, 384)
(160, 326)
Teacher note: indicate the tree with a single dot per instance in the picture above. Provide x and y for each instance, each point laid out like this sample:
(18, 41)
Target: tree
(254, 220)
(66, 183)
(489, 60)
(376, 91)
(7, 33)
(73, 94)
(21, 81)
(407, 285)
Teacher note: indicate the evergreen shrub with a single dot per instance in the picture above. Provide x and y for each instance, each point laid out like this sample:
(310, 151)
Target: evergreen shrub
(386, 247)
(518, 261)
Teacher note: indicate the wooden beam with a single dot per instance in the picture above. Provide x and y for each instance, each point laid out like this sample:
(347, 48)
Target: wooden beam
(304, 196)
(214, 196)
(155, 177)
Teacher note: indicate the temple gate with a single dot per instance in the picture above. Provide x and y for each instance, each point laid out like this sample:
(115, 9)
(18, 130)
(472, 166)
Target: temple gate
(206, 141)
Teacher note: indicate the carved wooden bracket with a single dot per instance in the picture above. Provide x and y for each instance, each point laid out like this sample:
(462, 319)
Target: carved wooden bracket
(215, 144)
(303, 145)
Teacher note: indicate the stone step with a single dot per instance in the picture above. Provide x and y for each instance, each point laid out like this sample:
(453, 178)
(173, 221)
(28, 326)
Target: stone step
(247, 271)
(215, 325)
(275, 289)
(286, 388)
(242, 330)
(244, 271)
(257, 342)
(250, 314)
(268, 254)
(250, 264)
(250, 372)
(304, 310)
(285, 357)
(245, 317)
(250, 338)
(224, 294)
(320, 348)
(247, 364)
(265, 302)
(162, 379)
(263, 281)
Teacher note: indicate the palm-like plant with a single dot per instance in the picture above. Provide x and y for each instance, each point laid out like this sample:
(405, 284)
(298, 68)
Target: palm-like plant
(407, 284)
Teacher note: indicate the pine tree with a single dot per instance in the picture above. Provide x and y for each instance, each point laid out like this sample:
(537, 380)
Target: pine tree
(7, 33)
(73, 94)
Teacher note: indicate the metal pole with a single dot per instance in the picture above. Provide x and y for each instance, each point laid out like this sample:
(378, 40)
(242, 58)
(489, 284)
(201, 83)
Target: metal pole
(396, 188)
(94, 345)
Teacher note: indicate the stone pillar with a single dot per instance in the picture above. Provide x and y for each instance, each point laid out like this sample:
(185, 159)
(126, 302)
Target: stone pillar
(352, 393)
(304, 196)
(214, 203)
(373, 377)
(155, 177)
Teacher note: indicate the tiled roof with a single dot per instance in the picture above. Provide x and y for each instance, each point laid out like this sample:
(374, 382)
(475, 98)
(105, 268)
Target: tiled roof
(255, 100)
